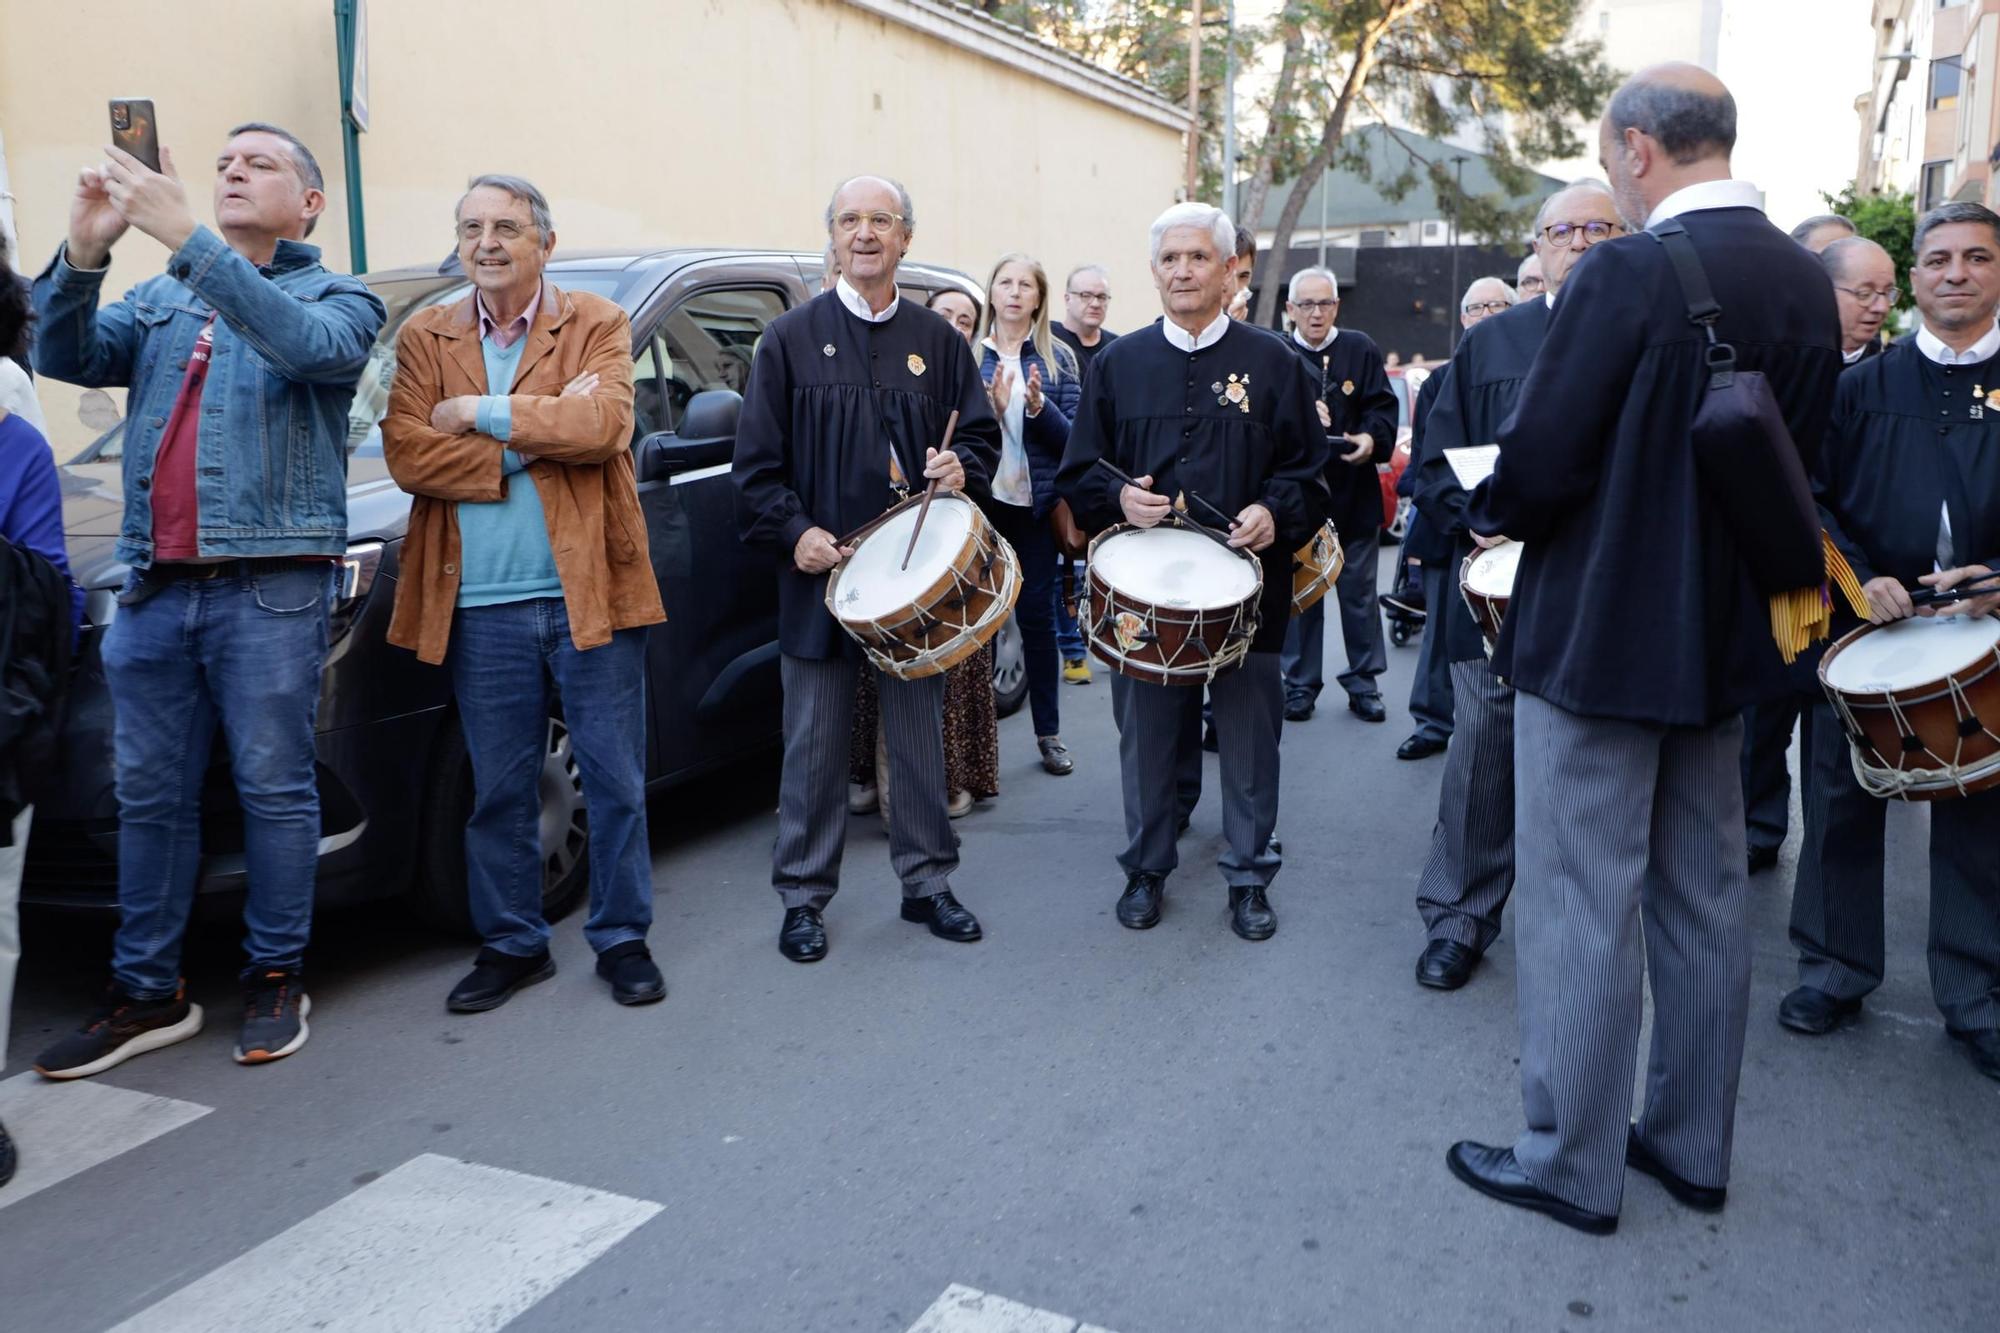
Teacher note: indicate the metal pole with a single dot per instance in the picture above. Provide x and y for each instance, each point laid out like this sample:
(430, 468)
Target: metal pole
(1229, 120)
(1322, 217)
(1194, 102)
(350, 138)
(1459, 164)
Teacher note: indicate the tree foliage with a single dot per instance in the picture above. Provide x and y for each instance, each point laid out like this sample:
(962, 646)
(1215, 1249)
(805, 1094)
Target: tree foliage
(1888, 218)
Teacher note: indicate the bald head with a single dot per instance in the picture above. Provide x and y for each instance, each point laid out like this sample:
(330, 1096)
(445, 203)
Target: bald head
(1668, 127)
(1848, 256)
(1864, 288)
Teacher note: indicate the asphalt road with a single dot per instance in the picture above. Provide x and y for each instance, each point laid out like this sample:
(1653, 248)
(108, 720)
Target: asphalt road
(1159, 1132)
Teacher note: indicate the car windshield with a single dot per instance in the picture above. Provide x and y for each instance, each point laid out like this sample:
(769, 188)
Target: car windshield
(404, 297)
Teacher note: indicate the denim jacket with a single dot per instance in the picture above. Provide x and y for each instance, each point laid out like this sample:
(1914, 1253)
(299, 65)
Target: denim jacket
(1046, 434)
(289, 347)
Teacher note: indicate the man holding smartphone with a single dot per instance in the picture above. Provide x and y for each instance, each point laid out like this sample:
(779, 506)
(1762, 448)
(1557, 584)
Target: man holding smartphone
(241, 361)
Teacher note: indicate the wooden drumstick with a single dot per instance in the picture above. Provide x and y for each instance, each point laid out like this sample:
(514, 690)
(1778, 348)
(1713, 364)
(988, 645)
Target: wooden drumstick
(924, 509)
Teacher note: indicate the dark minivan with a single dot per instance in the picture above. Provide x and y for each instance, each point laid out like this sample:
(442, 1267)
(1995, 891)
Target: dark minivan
(395, 783)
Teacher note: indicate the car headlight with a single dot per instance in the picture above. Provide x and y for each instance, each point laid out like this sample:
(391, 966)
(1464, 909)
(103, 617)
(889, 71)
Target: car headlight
(356, 576)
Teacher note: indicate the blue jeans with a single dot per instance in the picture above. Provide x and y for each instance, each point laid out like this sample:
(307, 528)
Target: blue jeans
(244, 650)
(1036, 610)
(1069, 635)
(502, 659)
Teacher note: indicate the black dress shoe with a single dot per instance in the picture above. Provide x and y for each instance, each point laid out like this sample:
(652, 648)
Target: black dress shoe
(1446, 964)
(1983, 1046)
(494, 978)
(1139, 905)
(1367, 707)
(1814, 1012)
(9, 1159)
(1762, 858)
(803, 936)
(1299, 709)
(1250, 914)
(634, 977)
(945, 915)
(1701, 1198)
(1495, 1173)
(1272, 847)
(1419, 747)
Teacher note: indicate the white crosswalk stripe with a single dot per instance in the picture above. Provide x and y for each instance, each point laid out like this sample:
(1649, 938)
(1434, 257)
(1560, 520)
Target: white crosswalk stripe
(963, 1309)
(61, 1129)
(436, 1245)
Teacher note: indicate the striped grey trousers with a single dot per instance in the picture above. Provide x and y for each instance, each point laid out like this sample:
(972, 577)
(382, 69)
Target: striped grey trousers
(812, 794)
(1465, 882)
(1160, 725)
(1617, 824)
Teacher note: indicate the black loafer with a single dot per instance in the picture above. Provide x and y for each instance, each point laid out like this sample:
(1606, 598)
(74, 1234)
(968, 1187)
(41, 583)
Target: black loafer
(1139, 905)
(1250, 913)
(1419, 747)
(1055, 756)
(1446, 964)
(1298, 710)
(1701, 1198)
(1762, 858)
(1368, 707)
(9, 1159)
(803, 936)
(634, 977)
(494, 978)
(1495, 1173)
(1814, 1012)
(1983, 1046)
(945, 915)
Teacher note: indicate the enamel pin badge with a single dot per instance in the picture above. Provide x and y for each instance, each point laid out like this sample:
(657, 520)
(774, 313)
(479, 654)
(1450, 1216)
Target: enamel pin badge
(915, 363)
(828, 349)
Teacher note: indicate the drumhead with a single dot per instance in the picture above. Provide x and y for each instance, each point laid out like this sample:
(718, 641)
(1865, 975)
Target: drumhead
(1908, 653)
(1175, 568)
(1492, 570)
(871, 583)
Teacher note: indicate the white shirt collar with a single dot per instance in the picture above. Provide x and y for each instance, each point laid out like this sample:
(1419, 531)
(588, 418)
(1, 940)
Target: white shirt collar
(1934, 347)
(1300, 339)
(1705, 195)
(857, 305)
(1208, 337)
(1550, 297)
(1853, 357)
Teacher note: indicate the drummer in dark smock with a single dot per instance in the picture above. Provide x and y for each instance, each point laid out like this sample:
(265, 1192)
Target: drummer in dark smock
(847, 401)
(1909, 488)
(1200, 405)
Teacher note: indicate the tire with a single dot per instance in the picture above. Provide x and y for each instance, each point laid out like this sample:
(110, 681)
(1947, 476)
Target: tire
(439, 894)
(1010, 670)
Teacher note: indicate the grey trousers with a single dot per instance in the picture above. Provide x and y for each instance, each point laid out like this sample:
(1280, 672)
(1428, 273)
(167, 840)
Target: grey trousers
(1837, 898)
(1304, 654)
(1153, 734)
(812, 794)
(1618, 824)
(1431, 700)
(12, 860)
(1470, 872)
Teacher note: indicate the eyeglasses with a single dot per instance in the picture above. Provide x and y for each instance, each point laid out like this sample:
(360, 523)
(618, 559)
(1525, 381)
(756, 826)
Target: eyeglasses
(851, 221)
(1532, 285)
(506, 229)
(1870, 295)
(1562, 233)
(1310, 306)
(1092, 298)
(1485, 307)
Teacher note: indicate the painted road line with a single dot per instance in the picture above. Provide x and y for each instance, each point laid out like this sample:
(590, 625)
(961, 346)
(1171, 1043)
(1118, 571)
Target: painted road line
(61, 1129)
(964, 1310)
(437, 1244)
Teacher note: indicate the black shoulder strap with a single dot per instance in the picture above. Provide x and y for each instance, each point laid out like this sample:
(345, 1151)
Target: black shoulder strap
(1702, 309)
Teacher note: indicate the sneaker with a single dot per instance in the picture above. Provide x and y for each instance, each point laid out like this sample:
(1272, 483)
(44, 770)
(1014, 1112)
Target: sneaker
(1076, 671)
(275, 1006)
(121, 1028)
(960, 805)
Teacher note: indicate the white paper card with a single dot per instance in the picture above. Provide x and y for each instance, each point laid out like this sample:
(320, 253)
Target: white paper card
(1472, 464)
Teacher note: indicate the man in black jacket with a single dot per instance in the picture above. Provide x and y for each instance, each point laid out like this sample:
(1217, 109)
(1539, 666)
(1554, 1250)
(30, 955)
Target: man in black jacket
(1357, 409)
(1634, 639)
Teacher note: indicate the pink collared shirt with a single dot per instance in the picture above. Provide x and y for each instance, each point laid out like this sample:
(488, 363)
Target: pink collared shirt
(516, 329)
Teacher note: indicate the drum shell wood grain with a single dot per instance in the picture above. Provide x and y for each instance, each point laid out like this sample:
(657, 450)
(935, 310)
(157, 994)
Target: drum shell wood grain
(1315, 566)
(1488, 609)
(1933, 718)
(906, 640)
(1201, 635)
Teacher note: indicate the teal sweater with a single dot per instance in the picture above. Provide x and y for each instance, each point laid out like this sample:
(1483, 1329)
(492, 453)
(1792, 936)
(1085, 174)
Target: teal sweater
(504, 555)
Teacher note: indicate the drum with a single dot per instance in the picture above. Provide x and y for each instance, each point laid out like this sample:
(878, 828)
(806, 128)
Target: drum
(1314, 568)
(1920, 702)
(1486, 581)
(961, 584)
(1173, 605)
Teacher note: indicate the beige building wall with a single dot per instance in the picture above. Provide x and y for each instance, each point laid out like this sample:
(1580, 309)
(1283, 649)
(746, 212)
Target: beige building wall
(722, 122)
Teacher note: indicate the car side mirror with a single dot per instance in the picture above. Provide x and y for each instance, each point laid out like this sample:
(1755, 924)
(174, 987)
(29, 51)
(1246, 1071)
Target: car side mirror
(706, 438)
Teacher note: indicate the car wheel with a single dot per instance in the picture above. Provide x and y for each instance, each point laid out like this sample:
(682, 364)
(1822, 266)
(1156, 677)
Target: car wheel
(563, 825)
(1010, 670)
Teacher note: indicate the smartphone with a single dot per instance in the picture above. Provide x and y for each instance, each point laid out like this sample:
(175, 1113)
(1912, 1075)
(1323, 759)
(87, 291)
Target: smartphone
(134, 130)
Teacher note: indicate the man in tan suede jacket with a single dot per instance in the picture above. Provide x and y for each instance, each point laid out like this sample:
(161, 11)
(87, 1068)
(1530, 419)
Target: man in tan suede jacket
(510, 423)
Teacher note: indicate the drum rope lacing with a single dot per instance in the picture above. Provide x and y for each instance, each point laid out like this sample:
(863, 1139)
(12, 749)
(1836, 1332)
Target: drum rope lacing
(1897, 783)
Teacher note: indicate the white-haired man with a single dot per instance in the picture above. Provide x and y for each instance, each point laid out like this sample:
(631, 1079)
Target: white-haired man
(1200, 405)
(1357, 411)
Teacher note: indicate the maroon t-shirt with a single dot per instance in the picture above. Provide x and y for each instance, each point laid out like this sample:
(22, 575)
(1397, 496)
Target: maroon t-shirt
(176, 510)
